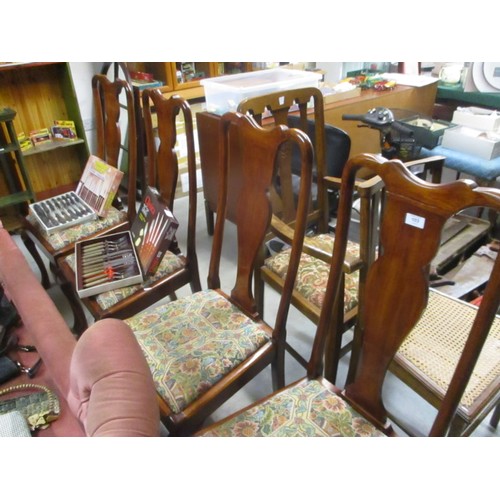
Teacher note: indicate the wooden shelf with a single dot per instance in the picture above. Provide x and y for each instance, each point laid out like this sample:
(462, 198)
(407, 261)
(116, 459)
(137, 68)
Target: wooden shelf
(14, 199)
(41, 92)
(20, 65)
(50, 146)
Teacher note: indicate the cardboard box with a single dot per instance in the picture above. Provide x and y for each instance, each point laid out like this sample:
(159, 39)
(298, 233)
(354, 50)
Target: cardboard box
(93, 197)
(40, 137)
(106, 263)
(427, 132)
(224, 93)
(478, 118)
(62, 211)
(485, 145)
(99, 184)
(153, 231)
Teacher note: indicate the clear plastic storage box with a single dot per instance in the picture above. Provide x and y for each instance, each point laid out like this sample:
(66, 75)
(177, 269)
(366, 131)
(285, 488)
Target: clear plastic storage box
(224, 93)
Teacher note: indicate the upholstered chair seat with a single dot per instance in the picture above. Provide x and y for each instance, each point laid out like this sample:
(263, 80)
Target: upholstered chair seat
(305, 410)
(192, 342)
(313, 272)
(66, 237)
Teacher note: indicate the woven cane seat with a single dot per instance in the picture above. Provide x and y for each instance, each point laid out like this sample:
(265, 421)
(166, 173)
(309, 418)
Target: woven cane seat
(313, 273)
(305, 410)
(431, 351)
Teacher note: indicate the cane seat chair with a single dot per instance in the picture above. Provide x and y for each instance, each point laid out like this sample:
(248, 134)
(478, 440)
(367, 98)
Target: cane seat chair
(331, 151)
(172, 116)
(112, 144)
(204, 347)
(427, 357)
(397, 285)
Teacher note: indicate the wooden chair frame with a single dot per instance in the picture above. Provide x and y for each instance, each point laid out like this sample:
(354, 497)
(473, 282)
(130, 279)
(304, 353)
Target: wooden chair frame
(280, 105)
(247, 178)
(415, 212)
(109, 139)
(163, 174)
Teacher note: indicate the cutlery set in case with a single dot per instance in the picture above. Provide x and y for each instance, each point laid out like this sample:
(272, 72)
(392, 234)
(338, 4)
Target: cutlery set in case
(62, 211)
(115, 260)
(92, 198)
(106, 263)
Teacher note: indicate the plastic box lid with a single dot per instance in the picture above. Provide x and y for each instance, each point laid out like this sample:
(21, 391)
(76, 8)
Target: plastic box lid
(224, 93)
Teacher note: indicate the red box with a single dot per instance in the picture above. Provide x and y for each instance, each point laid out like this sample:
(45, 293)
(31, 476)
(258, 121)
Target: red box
(153, 231)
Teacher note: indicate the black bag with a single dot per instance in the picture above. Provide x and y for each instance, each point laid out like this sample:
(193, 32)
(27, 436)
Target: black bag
(8, 369)
(9, 317)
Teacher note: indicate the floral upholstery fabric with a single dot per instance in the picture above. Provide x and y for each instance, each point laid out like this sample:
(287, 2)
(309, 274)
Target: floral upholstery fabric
(70, 235)
(192, 342)
(305, 410)
(312, 274)
(169, 264)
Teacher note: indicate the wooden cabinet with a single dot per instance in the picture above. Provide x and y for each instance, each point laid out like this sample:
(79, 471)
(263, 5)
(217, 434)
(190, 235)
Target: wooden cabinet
(183, 78)
(40, 93)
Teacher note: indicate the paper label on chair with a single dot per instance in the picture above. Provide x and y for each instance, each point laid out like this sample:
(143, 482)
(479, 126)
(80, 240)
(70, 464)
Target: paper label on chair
(415, 221)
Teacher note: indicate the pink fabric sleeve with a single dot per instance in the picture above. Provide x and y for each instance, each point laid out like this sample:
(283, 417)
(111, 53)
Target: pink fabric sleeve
(103, 377)
(41, 318)
(112, 390)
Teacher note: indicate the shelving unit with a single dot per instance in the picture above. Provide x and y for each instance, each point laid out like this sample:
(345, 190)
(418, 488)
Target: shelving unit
(12, 165)
(40, 93)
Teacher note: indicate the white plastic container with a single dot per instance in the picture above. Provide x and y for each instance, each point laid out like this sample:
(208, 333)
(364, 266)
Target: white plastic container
(224, 93)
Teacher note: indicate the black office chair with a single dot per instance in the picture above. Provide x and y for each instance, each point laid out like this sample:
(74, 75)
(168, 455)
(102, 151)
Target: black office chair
(337, 150)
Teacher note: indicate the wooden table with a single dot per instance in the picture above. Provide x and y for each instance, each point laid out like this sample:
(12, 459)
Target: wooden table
(363, 140)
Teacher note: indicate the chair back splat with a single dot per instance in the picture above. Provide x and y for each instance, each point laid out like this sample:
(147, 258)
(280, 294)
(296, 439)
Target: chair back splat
(397, 283)
(111, 147)
(279, 105)
(163, 162)
(254, 205)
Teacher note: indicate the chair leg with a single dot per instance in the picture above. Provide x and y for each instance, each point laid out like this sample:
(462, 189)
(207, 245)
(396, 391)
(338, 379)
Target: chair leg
(355, 351)
(458, 428)
(31, 247)
(259, 292)
(332, 356)
(209, 215)
(278, 368)
(495, 417)
(334, 338)
(80, 323)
